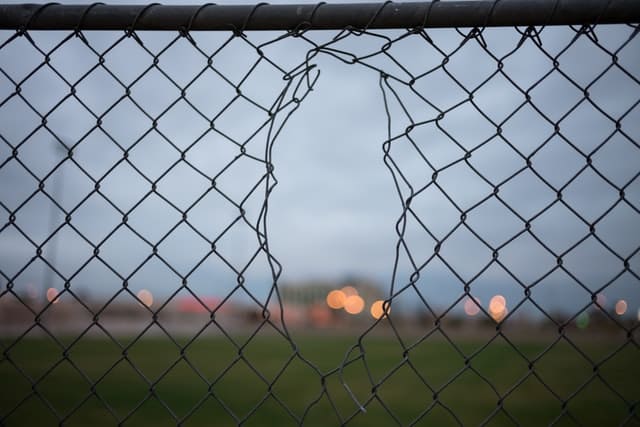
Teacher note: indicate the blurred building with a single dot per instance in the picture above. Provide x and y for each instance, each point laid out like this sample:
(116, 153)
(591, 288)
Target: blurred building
(308, 293)
(308, 303)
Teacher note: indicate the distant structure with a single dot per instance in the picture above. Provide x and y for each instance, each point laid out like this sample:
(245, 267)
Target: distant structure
(311, 303)
(309, 293)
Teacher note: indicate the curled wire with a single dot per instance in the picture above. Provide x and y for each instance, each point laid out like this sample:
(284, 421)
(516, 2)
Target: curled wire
(247, 19)
(427, 13)
(185, 31)
(377, 14)
(130, 31)
(22, 30)
(78, 30)
(307, 24)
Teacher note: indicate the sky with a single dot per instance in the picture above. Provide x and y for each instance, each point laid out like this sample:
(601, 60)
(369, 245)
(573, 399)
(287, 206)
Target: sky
(334, 210)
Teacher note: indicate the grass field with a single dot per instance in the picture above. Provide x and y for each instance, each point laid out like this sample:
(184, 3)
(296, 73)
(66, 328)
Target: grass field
(472, 395)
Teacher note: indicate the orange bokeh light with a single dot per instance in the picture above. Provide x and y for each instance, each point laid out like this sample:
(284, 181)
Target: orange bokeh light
(146, 297)
(621, 307)
(601, 300)
(472, 306)
(353, 304)
(497, 304)
(335, 299)
(377, 309)
(349, 291)
(499, 317)
(52, 295)
(498, 308)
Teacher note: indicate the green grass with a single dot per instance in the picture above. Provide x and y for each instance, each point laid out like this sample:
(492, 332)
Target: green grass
(138, 388)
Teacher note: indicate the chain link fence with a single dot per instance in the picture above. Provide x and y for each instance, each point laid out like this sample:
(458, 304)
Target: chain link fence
(139, 283)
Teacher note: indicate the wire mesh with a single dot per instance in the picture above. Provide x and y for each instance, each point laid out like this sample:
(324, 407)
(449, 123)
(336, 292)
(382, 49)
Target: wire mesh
(519, 177)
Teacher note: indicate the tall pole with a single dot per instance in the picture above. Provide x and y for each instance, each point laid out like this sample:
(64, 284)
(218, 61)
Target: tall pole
(56, 192)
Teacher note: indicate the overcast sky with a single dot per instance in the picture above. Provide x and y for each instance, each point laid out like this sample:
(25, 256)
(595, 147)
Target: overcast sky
(333, 213)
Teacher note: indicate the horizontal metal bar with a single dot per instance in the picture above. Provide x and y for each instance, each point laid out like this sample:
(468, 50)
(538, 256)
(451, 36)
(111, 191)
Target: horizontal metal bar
(470, 13)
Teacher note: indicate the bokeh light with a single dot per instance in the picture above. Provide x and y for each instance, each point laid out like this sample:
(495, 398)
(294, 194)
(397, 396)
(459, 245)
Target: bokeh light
(349, 291)
(377, 309)
(335, 299)
(52, 295)
(621, 307)
(32, 291)
(582, 321)
(353, 304)
(498, 308)
(497, 304)
(472, 306)
(146, 297)
(601, 300)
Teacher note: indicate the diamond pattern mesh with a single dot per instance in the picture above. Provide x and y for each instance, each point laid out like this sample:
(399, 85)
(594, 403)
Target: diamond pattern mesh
(132, 158)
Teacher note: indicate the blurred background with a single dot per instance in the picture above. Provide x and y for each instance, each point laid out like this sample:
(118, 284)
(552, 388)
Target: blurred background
(332, 214)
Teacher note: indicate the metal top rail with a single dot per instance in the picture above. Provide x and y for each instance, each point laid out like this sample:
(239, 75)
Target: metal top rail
(321, 16)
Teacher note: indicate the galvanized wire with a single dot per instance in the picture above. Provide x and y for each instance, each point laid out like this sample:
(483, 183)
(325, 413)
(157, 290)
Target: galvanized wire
(396, 83)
